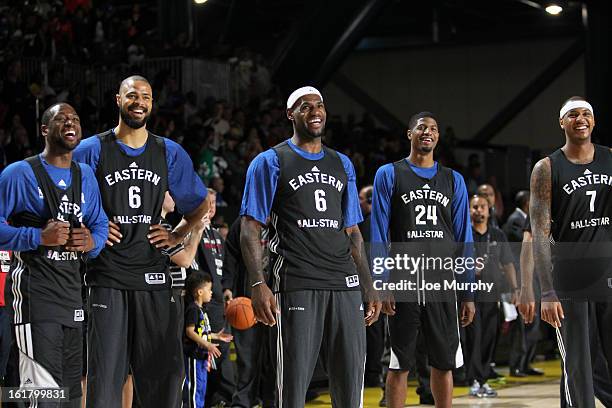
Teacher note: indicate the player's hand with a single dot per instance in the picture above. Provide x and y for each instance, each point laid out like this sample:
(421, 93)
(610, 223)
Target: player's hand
(227, 296)
(80, 240)
(264, 304)
(372, 312)
(388, 304)
(114, 234)
(213, 349)
(467, 313)
(158, 233)
(224, 337)
(526, 304)
(552, 313)
(55, 233)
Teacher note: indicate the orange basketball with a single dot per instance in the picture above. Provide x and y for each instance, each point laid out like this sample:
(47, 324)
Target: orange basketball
(239, 313)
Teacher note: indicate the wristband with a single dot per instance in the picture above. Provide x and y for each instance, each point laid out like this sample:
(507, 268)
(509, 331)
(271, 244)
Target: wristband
(257, 283)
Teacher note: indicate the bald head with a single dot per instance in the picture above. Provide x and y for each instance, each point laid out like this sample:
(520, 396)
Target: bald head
(127, 82)
(52, 110)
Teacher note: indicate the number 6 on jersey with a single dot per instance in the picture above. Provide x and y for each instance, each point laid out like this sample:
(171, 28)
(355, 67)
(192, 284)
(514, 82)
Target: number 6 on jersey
(320, 203)
(134, 197)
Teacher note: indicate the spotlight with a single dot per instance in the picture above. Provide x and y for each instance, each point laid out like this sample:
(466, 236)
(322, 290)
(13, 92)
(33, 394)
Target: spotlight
(553, 9)
(200, 1)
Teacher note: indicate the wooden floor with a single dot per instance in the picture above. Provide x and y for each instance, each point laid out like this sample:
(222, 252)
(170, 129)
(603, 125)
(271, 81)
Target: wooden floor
(540, 392)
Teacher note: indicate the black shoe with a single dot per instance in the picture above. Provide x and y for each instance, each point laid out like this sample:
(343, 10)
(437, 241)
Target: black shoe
(426, 399)
(534, 371)
(517, 373)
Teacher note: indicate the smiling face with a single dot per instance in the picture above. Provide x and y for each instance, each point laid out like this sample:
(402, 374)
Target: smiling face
(63, 129)
(578, 124)
(424, 135)
(135, 101)
(308, 116)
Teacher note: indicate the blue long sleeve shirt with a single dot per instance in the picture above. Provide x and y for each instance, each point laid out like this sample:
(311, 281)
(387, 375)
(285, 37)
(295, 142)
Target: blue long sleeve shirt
(262, 178)
(381, 212)
(19, 192)
(186, 188)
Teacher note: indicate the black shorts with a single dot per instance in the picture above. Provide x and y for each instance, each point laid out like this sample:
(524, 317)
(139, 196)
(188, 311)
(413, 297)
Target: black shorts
(134, 331)
(440, 326)
(50, 356)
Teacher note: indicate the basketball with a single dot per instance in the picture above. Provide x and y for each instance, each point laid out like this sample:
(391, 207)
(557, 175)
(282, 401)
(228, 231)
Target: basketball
(239, 313)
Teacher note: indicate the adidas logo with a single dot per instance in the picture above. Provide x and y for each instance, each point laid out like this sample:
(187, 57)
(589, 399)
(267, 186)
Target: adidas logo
(315, 168)
(62, 183)
(134, 165)
(64, 198)
(587, 171)
(426, 186)
(27, 381)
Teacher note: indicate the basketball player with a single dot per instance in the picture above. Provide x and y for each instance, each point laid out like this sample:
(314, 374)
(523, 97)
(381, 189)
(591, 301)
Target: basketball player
(571, 195)
(393, 220)
(132, 312)
(309, 191)
(56, 216)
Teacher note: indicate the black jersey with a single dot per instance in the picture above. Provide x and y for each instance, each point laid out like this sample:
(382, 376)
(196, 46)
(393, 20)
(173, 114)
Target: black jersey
(421, 226)
(309, 246)
(581, 206)
(132, 190)
(421, 209)
(46, 282)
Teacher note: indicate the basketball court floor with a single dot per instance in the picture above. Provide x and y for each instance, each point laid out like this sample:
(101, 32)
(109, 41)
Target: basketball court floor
(529, 392)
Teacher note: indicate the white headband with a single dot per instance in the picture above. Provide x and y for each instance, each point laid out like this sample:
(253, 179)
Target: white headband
(298, 93)
(573, 105)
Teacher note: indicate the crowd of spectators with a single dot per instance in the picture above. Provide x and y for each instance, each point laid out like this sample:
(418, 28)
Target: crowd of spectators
(221, 136)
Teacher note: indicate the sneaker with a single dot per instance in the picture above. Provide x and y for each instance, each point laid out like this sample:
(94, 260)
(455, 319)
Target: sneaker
(487, 392)
(474, 389)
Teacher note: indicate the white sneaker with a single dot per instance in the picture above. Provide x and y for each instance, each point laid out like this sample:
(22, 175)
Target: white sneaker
(474, 389)
(487, 392)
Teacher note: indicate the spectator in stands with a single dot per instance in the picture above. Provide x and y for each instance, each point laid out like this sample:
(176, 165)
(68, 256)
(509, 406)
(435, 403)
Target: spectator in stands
(488, 192)
(218, 185)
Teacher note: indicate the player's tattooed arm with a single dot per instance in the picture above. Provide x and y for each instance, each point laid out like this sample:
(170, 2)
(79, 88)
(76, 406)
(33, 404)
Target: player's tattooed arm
(370, 295)
(264, 302)
(540, 212)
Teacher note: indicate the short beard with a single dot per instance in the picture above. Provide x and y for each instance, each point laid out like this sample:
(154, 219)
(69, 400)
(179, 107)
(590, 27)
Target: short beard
(307, 133)
(134, 124)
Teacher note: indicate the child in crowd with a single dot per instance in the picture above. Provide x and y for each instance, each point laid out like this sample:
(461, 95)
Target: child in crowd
(200, 352)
